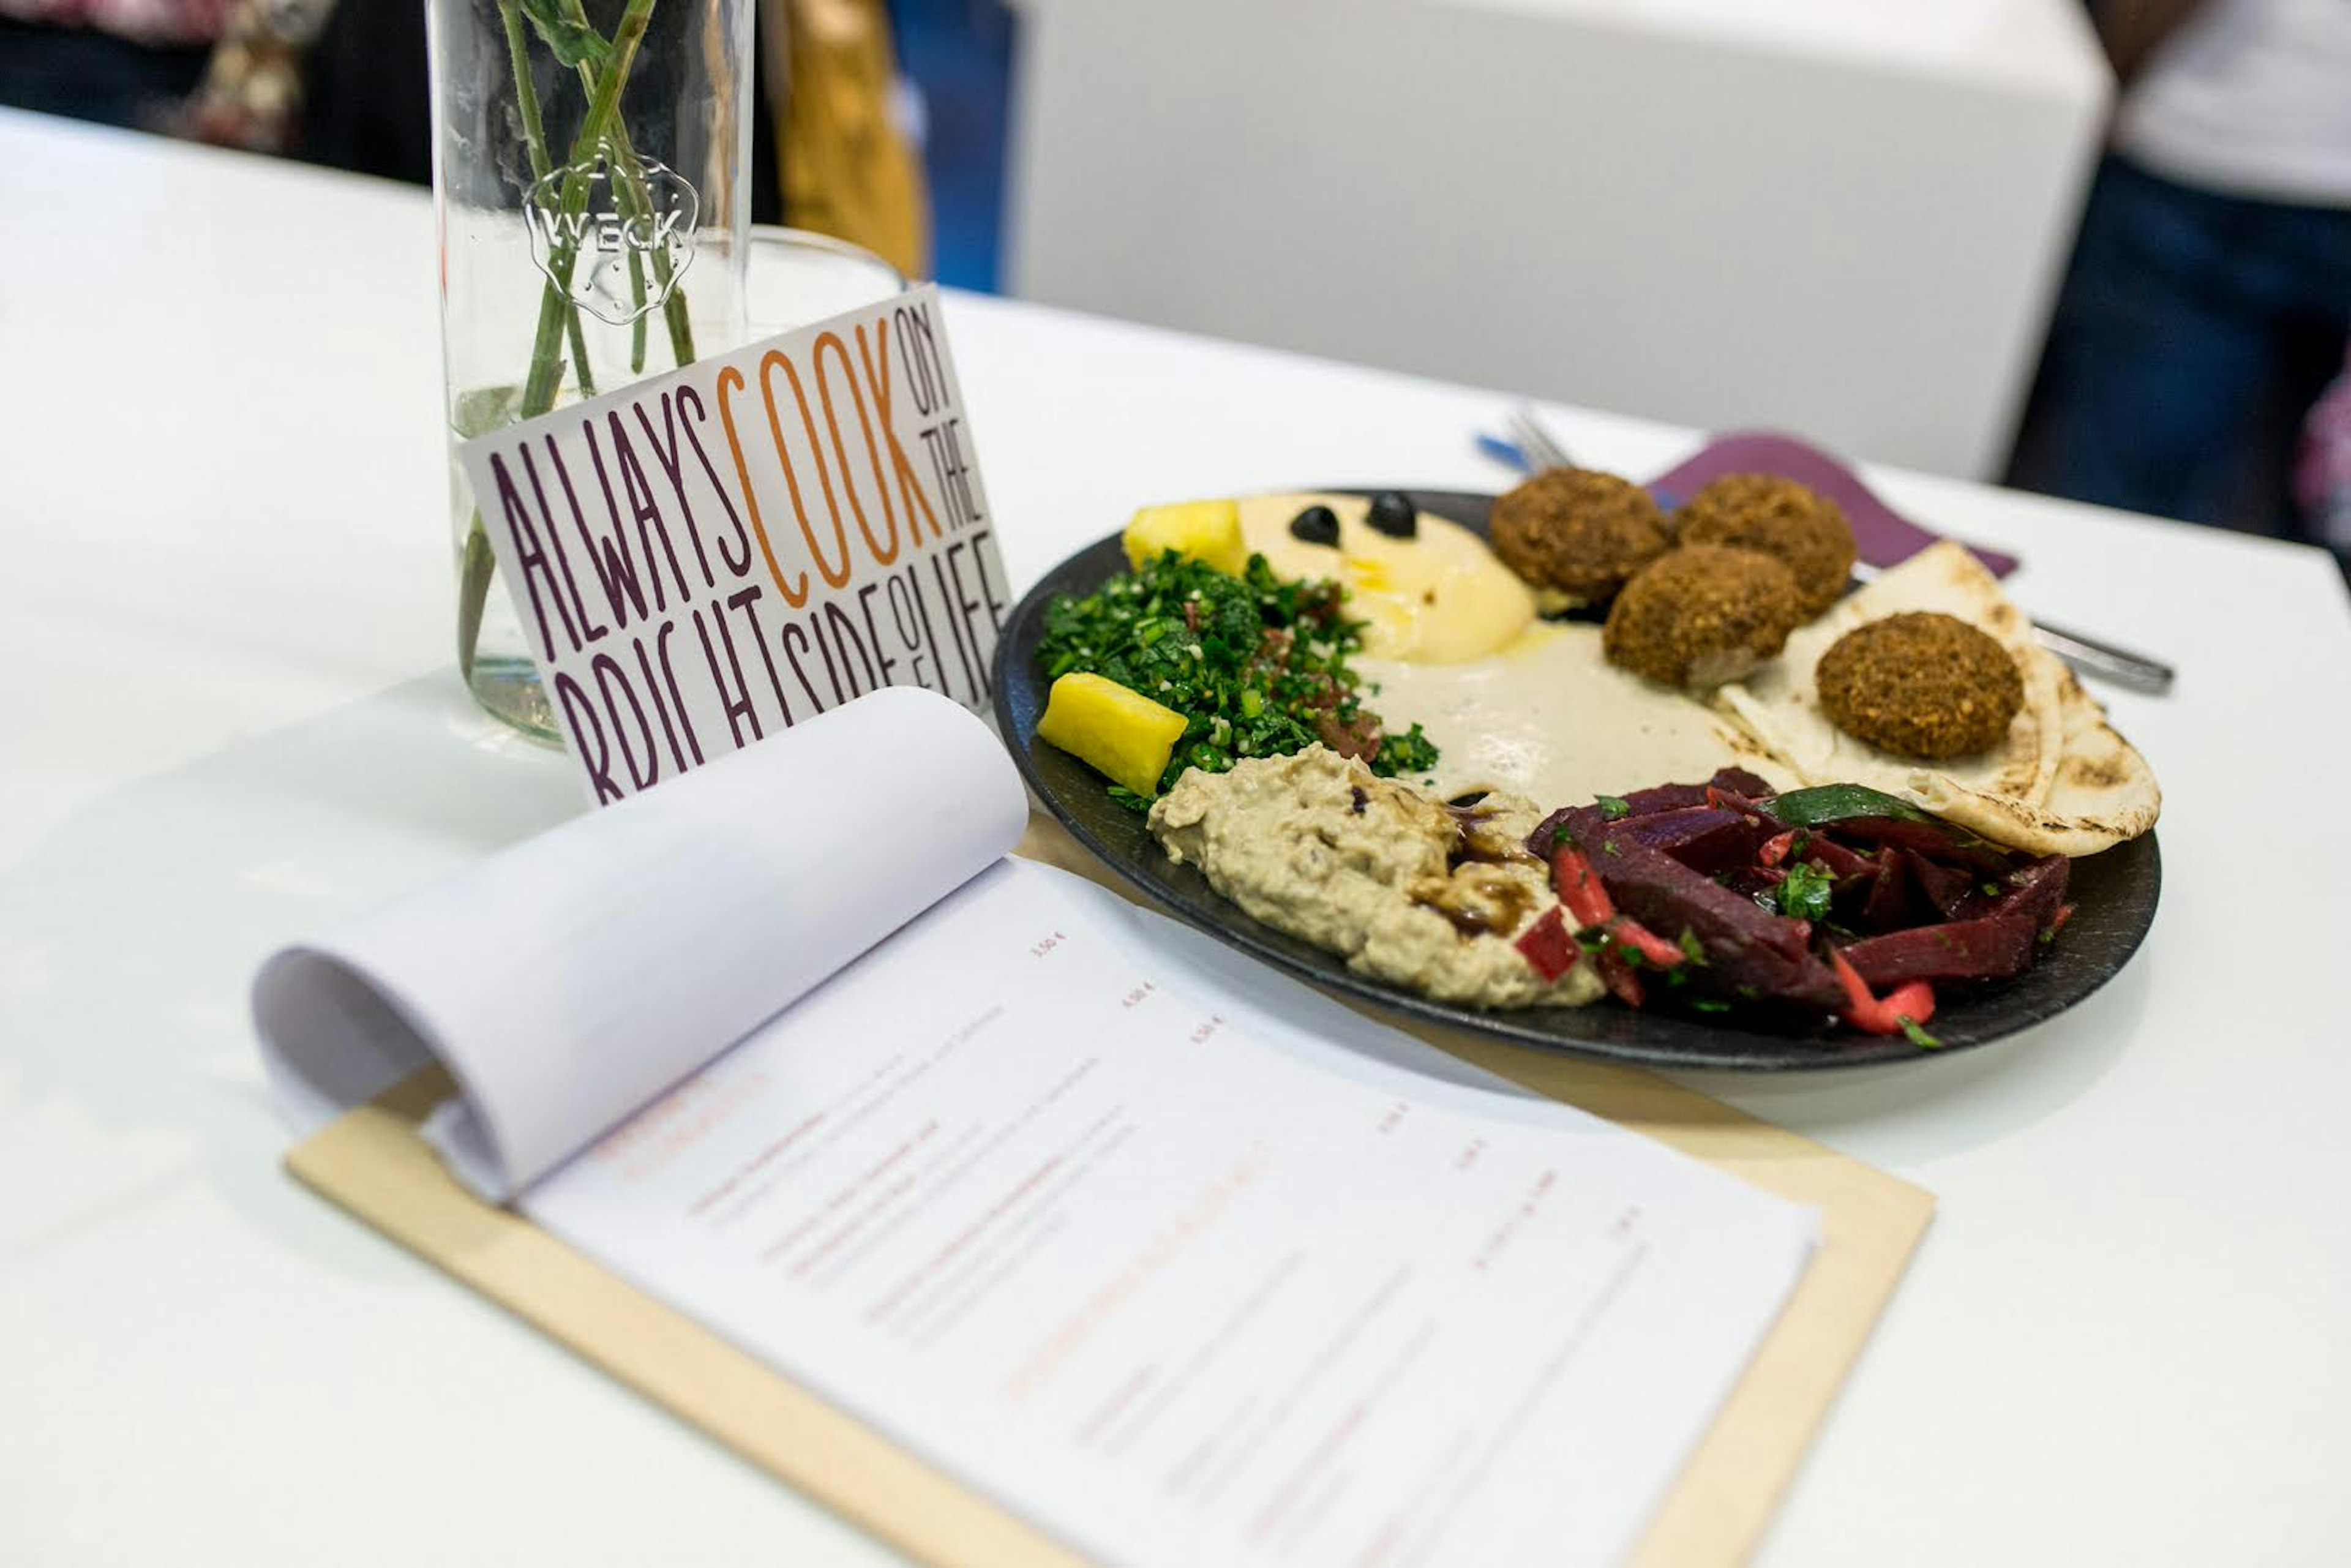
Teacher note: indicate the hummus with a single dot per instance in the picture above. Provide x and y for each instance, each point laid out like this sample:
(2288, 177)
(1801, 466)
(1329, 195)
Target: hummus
(1551, 719)
(1436, 598)
(1404, 888)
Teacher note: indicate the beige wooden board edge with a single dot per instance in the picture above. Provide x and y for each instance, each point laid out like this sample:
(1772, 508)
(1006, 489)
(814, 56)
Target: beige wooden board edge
(374, 1163)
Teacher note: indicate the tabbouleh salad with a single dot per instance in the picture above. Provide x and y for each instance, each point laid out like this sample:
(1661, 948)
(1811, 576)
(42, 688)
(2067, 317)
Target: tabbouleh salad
(1257, 665)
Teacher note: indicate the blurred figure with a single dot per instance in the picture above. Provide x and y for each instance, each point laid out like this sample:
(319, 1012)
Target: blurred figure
(253, 89)
(850, 169)
(2209, 299)
(344, 84)
(955, 60)
(119, 62)
(2322, 480)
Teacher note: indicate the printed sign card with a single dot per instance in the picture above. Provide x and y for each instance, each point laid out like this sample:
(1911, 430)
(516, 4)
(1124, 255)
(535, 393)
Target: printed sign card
(703, 558)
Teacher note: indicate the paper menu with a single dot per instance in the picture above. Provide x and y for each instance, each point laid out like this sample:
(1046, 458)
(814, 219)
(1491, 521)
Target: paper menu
(1111, 1227)
(571, 979)
(1146, 1243)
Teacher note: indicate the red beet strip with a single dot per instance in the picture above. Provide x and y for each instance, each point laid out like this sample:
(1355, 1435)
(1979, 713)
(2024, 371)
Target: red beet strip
(1988, 949)
(1703, 861)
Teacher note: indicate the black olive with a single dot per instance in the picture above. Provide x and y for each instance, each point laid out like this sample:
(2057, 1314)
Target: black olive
(1316, 526)
(1394, 515)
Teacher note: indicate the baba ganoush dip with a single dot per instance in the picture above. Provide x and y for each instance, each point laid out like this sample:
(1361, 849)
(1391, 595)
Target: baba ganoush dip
(1403, 887)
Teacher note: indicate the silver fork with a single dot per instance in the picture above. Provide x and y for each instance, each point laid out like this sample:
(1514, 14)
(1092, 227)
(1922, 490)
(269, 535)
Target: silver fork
(2102, 661)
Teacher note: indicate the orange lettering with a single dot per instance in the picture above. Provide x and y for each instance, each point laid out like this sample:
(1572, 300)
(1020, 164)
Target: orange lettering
(775, 358)
(879, 384)
(883, 555)
(730, 380)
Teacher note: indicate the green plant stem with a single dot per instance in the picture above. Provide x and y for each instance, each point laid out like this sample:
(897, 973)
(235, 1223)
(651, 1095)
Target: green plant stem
(681, 325)
(637, 203)
(557, 314)
(534, 135)
(479, 564)
(474, 576)
(538, 391)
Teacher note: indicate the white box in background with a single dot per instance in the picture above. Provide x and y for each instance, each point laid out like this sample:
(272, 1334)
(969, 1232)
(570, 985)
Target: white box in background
(1840, 218)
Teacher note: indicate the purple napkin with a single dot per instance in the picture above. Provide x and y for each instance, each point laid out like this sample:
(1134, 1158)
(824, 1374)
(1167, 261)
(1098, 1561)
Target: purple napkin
(1884, 537)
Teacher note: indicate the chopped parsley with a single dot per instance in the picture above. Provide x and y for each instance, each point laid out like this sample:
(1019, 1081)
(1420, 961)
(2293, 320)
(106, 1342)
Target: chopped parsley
(1805, 895)
(1258, 667)
(1615, 807)
(1694, 948)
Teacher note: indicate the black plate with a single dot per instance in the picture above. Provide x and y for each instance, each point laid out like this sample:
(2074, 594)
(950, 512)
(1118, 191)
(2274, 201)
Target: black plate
(2115, 892)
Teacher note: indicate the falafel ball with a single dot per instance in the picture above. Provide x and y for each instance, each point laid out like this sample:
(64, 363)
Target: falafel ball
(1921, 683)
(1702, 616)
(1799, 527)
(1576, 534)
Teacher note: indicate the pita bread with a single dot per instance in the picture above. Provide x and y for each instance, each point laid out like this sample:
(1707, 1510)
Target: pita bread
(2061, 781)
(2103, 792)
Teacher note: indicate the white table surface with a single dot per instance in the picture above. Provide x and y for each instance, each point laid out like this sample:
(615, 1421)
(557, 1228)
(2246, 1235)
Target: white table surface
(228, 715)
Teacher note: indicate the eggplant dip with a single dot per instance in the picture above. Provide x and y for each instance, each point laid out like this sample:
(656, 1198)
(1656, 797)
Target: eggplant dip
(1405, 888)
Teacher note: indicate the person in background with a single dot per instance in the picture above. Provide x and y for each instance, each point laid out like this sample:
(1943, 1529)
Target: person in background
(2209, 299)
(2322, 480)
(119, 62)
(849, 164)
(344, 84)
(253, 88)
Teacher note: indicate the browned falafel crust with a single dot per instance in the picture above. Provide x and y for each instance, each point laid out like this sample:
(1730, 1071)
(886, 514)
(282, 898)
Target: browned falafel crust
(1799, 527)
(1701, 615)
(1921, 683)
(1579, 531)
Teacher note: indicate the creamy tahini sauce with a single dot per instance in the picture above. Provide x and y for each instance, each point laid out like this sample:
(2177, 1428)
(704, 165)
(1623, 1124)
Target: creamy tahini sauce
(1438, 598)
(1512, 703)
(1550, 719)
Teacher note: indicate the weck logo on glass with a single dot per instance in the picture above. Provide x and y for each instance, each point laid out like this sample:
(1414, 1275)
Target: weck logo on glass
(612, 232)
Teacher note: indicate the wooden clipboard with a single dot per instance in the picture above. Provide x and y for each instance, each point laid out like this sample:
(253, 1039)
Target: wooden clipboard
(372, 1162)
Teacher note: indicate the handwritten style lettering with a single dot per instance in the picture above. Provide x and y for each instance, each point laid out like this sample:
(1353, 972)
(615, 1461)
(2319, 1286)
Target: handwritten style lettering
(710, 555)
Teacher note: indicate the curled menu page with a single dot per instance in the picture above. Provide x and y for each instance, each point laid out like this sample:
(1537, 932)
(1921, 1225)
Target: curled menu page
(1186, 1262)
(571, 978)
(1179, 1259)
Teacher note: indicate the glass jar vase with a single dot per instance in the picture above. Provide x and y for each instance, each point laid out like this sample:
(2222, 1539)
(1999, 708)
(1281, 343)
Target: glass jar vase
(590, 177)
